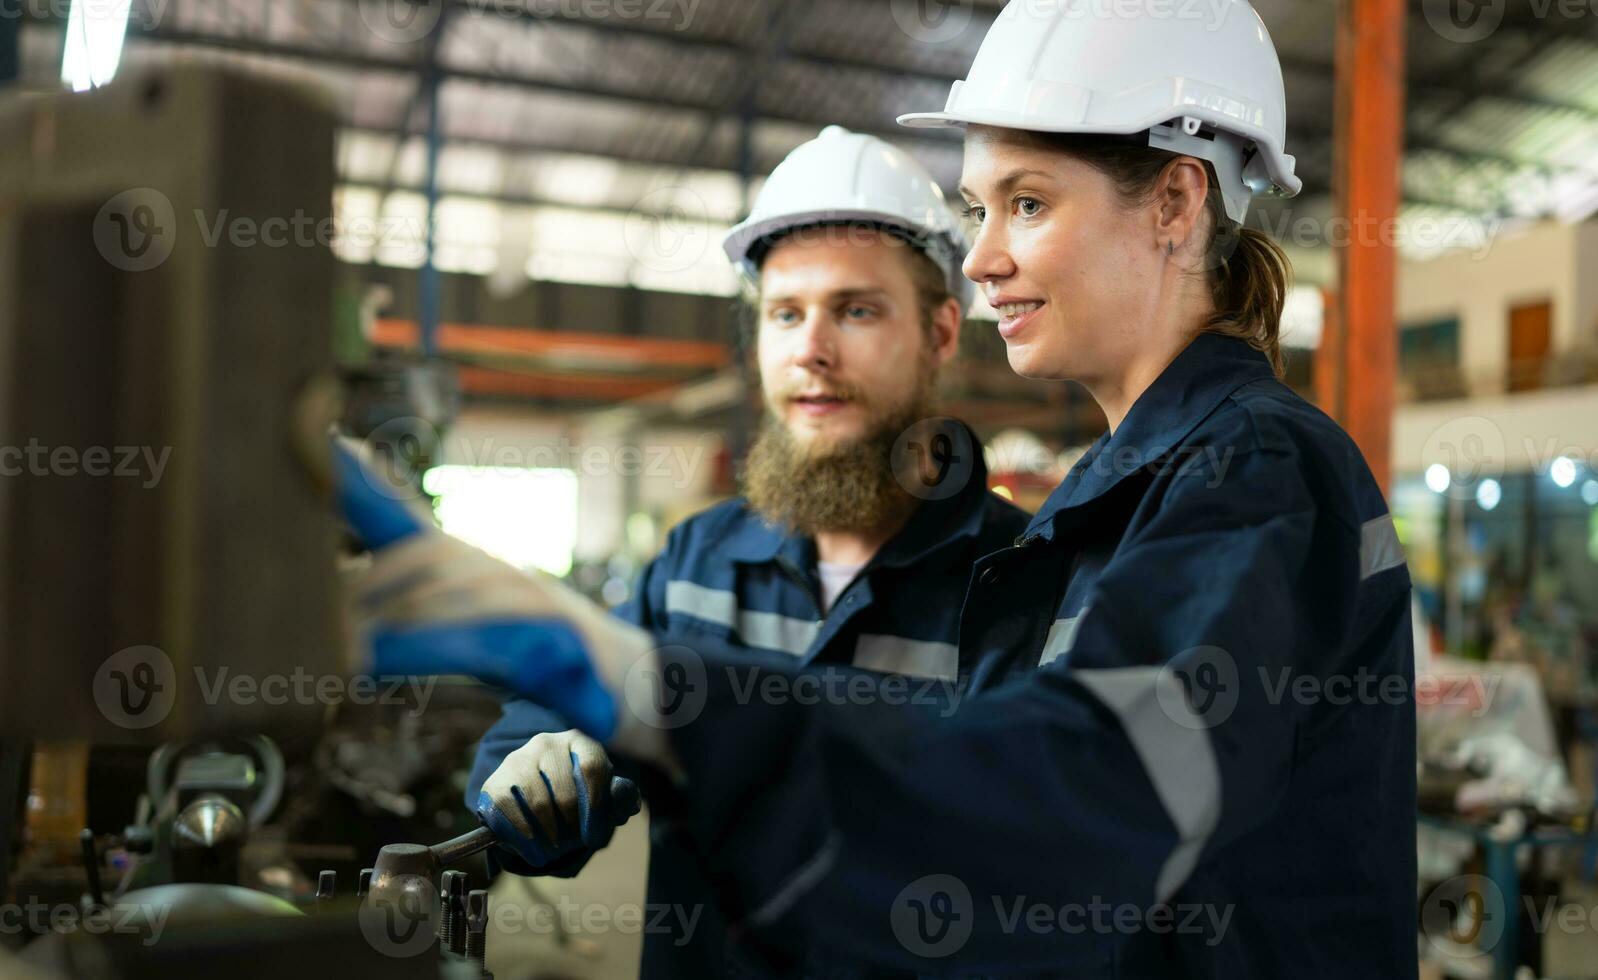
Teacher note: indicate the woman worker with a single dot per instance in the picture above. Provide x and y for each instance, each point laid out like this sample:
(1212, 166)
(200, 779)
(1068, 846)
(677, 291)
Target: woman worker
(1186, 748)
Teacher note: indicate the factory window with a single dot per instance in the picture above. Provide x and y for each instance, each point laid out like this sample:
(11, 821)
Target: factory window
(527, 517)
(1428, 359)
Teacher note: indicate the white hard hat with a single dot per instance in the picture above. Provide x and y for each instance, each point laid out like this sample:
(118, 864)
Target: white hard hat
(842, 177)
(1203, 79)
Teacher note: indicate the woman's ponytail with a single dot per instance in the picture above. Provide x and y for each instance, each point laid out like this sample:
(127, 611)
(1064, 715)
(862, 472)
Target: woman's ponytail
(1249, 282)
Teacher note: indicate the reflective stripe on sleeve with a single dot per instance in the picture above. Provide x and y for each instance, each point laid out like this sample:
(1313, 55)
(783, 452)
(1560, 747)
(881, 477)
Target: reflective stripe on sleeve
(1176, 754)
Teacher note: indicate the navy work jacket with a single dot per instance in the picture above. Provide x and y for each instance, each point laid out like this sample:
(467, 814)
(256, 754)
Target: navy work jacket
(728, 578)
(1185, 748)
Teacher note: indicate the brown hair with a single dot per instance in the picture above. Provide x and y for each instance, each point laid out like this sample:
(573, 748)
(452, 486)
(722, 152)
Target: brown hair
(1247, 273)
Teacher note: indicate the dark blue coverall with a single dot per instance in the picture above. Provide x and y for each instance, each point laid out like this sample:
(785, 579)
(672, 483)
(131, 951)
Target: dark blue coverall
(729, 578)
(1186, 748)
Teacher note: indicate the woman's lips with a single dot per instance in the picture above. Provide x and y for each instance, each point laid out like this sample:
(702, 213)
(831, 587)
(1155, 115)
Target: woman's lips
(1010, 327)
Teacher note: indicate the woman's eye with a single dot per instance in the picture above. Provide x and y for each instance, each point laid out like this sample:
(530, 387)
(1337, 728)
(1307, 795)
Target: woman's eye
(974, 213)
(1028, 207)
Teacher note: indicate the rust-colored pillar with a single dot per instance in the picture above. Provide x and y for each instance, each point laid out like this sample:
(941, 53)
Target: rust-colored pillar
(1362, 336)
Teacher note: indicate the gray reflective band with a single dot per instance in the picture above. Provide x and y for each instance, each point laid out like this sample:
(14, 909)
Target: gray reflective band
(1379, 548)
(1061, 637)
(712, 605)
(1176, 754)
(769, 631)
(801, 881)
(913, 658)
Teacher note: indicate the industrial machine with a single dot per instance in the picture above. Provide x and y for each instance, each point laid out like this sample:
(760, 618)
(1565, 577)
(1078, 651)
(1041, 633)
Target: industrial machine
(168, 380)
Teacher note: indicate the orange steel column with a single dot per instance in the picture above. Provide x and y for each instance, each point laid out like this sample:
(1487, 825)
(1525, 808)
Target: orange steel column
(1368, 158)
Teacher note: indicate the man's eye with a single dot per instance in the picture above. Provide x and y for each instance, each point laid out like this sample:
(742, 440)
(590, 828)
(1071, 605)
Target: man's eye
(860, 312)
(782, 316)
(1028, 207)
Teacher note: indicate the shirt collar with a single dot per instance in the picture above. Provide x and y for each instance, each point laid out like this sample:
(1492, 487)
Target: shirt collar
(1208, 370)
(935, 523)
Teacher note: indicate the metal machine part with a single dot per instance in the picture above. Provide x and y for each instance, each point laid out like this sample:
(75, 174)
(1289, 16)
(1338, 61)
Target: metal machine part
(130, 344)
(207, 836)
(398, 864)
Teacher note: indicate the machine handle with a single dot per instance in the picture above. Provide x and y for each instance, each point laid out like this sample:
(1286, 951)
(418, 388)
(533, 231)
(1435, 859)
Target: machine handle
(624, 796)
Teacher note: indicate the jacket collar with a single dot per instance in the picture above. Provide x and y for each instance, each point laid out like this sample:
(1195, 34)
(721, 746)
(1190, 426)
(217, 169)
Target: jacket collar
(934, 524)
(1191, 387)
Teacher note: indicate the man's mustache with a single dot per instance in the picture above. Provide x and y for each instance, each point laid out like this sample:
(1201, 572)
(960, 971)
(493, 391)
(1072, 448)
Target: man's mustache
(836, 389)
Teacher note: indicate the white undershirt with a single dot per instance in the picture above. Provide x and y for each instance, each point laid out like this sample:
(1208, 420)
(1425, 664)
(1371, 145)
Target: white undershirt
(835, 577)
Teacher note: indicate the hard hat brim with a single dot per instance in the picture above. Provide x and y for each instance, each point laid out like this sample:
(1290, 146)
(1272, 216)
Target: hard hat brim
(1277, 163)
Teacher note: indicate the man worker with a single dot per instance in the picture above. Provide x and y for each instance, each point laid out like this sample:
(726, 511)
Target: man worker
(862, 511)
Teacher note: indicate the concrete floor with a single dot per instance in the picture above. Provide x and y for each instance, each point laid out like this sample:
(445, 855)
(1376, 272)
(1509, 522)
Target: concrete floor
(600, 912)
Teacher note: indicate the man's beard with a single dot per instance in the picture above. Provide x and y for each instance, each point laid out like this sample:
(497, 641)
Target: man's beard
(845, 486)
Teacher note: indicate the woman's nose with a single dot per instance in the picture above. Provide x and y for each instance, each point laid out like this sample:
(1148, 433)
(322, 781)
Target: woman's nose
(989, 258)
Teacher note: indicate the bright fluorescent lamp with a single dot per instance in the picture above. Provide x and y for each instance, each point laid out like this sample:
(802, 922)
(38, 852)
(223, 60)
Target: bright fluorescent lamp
(95, 31)
(1489, 493)
(1563, 471)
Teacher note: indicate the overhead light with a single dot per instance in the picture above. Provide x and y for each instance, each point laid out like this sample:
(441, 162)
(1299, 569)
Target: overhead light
(1563, 471)
(95, 32)
(1489, 493)
(1437, 478)
(1589, 493)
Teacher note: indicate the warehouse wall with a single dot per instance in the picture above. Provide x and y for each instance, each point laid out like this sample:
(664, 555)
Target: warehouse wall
(1548, 261)
(1507, 433)
(1586, 306)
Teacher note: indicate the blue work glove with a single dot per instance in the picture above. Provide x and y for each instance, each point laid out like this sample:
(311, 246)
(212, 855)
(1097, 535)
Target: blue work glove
(432, 604)
(554, 797)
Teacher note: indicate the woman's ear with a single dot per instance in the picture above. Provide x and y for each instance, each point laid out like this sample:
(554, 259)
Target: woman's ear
(1180, 196)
